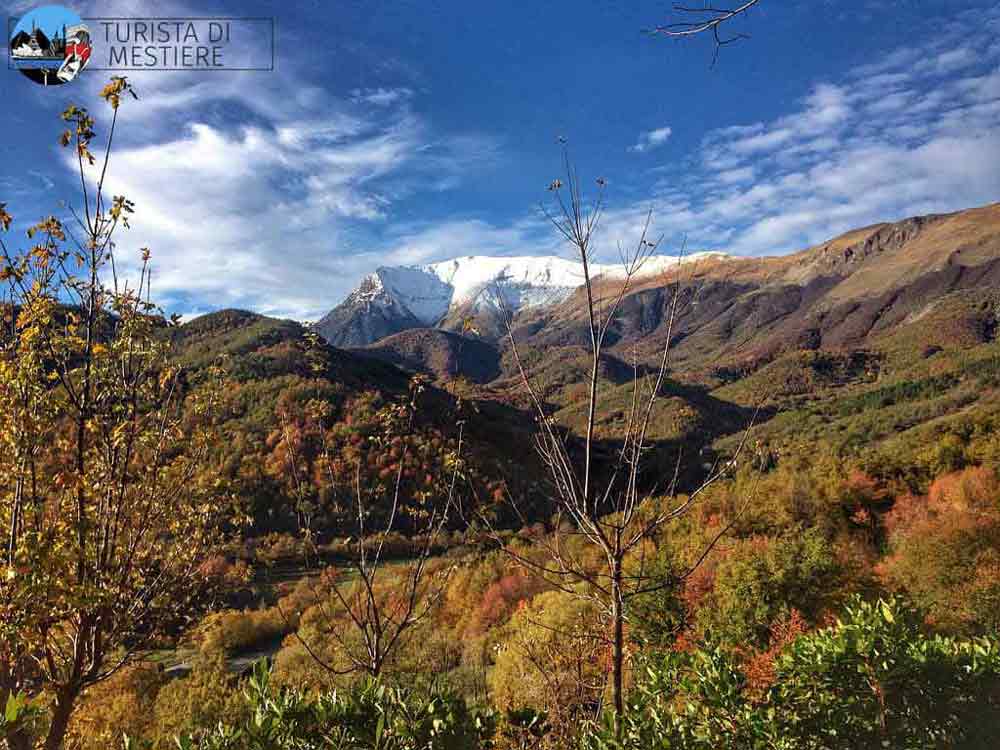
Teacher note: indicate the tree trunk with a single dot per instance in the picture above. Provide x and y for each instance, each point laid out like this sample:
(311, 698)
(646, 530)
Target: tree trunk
(17, 739)
(61, 711)
(618, 655)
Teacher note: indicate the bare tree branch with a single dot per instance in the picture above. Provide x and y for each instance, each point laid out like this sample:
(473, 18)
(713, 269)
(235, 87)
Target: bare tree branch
(704, 20)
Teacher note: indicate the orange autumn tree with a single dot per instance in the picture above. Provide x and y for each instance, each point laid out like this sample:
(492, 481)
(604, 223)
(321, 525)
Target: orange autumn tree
(944, 550)
(105, 518)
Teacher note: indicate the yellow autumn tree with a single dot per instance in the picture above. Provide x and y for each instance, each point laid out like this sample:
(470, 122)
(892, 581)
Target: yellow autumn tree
(104, 515)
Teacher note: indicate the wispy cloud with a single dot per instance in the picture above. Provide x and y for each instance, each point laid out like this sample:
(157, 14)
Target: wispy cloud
(651, 139)
(267, 217)
(917, 132)
(428, 242)
(381, 96)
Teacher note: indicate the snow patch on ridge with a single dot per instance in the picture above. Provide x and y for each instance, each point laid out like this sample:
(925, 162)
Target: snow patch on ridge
(430, 291)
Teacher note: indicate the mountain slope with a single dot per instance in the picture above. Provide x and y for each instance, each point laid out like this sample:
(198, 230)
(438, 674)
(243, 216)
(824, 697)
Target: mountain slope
(368, 314)
(441, 354)
(850, 292)
(871, 302)
(866, 339)
(275, 372)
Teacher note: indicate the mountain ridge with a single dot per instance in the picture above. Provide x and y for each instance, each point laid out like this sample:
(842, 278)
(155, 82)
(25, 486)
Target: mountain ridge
(396, 298)
(848, 292)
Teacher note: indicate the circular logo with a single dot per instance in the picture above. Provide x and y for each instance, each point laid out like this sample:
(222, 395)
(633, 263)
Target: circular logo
(50, 45)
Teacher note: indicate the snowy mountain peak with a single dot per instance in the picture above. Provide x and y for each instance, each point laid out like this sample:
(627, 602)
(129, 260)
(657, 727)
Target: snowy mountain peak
(395, 298)
(430, 291)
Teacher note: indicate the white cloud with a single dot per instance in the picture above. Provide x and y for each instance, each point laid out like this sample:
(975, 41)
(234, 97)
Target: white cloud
(954, 59)
(827, 108)
(734, 176)
(382, 97)
(261, 217)
(651, 139)
(429, 242)
(265, 191)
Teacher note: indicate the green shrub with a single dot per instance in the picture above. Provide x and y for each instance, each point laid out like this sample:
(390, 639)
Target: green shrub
(872, 680)
(762, 579)
(372, 716)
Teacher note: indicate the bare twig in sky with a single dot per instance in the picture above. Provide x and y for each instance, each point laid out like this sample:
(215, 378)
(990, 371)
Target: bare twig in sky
(707, 19)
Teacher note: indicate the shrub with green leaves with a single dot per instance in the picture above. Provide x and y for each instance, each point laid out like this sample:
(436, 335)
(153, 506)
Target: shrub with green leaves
(871, 680)
(762, 579)
(372, 716)
(874, 679)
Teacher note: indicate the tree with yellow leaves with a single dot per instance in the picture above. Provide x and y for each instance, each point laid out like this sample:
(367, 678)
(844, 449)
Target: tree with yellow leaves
(104, 516)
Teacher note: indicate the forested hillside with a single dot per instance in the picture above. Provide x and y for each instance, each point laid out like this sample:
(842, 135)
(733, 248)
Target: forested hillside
(870, 474)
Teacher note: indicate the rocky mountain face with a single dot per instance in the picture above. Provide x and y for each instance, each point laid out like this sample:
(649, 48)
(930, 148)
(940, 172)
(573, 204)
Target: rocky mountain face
(370, 313)
(849, 292)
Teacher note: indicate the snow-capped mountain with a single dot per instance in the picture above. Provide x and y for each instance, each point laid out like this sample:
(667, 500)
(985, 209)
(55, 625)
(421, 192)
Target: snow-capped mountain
(394, 299)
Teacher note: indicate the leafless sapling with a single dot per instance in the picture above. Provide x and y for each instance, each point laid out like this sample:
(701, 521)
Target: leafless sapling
(612, 509)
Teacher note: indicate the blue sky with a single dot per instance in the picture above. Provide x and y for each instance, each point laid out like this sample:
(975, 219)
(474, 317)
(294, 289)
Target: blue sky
(411, 132)
(49, 18)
